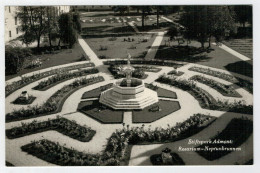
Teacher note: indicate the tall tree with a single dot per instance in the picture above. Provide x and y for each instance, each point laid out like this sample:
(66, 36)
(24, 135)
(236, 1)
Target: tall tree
(33, 23)
(68, 33)
(243, 13)
(52, 24)
(203, 22)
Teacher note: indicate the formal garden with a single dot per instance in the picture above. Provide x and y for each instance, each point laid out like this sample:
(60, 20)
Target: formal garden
(54, 113)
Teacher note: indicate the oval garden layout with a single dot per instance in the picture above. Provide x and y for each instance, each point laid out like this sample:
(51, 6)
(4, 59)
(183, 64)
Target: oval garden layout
(123, 105)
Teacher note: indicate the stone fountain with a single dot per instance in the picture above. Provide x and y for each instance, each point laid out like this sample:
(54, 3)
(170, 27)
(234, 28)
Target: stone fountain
(128, 93)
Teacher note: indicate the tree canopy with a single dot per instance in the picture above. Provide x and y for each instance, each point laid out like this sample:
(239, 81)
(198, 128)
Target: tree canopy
(203, 22)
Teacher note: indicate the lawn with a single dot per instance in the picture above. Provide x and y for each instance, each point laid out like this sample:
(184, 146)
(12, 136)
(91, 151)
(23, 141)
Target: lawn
(50, 60)
(134, 44)
(238, 131)
(243, 46)
(101, 113)
(96, 92)
(147, 116)
(217, 57)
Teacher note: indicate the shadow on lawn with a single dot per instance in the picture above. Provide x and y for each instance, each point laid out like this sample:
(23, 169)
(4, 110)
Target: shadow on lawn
(241, 67)
(182, 53)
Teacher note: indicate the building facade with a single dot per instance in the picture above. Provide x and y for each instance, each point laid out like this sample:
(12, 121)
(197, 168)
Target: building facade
(12, 22)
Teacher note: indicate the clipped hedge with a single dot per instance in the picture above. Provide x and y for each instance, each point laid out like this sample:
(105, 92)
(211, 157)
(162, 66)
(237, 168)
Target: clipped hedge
(25, 80)
(62, 125)
(54, 103)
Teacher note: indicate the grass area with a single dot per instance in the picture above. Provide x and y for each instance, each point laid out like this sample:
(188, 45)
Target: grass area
(237, 132)
(243, 46)
(217, 57)
(96, 92)
(161, 92)
(118, 48)
(49, 60)
(156, 159)
(148, 116)
(21, 101)
(100, 112)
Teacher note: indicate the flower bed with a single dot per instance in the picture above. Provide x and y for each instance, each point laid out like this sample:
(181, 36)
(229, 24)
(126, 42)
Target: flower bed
(205, 99)
(54, 103)
(225, 90)
(22, 101)
(10, 88)
(61, 77)
(150, 62)
(238, 131)
(147, 68)
(117, 148)
(175, 73)
(117, 72)
(62, 125)
(240, 82)
(156, 159)
(161, 91)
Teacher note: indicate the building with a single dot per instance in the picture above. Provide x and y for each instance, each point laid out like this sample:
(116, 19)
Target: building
(12, 23)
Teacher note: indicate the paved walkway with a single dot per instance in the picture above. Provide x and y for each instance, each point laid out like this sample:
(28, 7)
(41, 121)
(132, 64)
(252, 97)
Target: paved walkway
(153, 50)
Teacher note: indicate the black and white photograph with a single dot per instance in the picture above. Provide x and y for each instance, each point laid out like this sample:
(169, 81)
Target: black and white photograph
(128, 85)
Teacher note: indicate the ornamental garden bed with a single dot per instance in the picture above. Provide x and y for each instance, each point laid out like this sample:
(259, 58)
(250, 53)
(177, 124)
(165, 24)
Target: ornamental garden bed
(100, 112)
(117, 72)
(62, 125)
(26, 80)
(54, 103)
(117, 151)
(161, 92)
(225, 90)
(147, 68)
(22, 101)
(238, 131)
(175, 73)
(155, 111)
(204, 98)
(147, 62)
(156, 159)
(247, 85)
(61, 77)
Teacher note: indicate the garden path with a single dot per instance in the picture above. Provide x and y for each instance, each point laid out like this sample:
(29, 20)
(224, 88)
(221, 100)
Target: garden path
(156, 44)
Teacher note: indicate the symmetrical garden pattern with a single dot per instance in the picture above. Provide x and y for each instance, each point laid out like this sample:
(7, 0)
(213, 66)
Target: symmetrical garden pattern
(63, 122)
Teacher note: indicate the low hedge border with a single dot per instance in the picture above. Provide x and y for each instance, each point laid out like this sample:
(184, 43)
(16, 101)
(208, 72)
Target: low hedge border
(77, 74)
(59, 124)
(224, 90)
(59, 104)
(22, 83)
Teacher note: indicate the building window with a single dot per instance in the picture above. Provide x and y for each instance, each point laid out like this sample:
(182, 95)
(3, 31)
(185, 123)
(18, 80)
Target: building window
(15, 20)
(9, 9)
(10, 34)
(17, 31)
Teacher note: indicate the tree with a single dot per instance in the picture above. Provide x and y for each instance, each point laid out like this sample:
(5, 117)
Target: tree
(33, 23)
(76, 21)
(14, 58)
(203, 22)
(68, 33)
(243, 13)
(52, 24)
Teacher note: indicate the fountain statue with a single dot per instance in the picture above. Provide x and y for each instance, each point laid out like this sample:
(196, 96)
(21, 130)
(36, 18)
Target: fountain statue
(128, 93)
